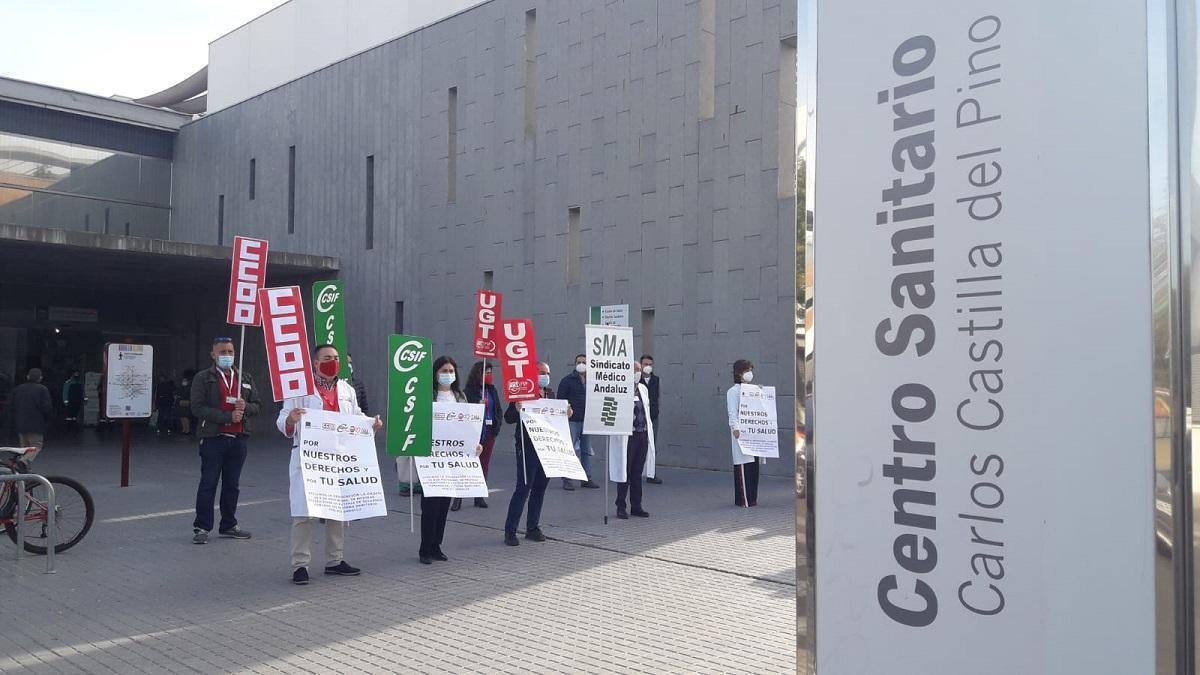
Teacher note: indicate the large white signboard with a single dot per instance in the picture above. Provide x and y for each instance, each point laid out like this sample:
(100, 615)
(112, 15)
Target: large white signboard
(129, 385)
(453, 469)
(545, 421)
(339, 467)
(984, 476)
(610, 381)
(758, 421)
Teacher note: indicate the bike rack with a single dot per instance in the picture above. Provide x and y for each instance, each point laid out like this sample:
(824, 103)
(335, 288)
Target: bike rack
(50, 515)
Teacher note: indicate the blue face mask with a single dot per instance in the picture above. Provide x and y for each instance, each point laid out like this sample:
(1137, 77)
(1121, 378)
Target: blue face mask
(225, 361)
(445, 379)
(543, 380)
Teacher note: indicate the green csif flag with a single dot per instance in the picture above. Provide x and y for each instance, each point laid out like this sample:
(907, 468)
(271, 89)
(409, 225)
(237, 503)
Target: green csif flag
(410, 396)
(329, 318)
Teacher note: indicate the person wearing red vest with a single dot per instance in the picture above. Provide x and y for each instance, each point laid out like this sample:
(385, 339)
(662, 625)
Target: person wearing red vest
(333, 395)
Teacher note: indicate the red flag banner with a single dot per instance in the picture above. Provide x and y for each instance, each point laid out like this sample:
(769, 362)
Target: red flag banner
(286, 335)
(518, 360)
(487, 319)
(246, 277)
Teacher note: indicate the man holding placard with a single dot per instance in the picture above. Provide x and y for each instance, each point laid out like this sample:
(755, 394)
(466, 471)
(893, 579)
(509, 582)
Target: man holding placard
(333, 395)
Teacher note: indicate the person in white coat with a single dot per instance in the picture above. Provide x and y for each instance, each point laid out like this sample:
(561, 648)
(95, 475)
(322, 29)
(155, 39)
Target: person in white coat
(631, 457)
(745, 467)
(333, 395)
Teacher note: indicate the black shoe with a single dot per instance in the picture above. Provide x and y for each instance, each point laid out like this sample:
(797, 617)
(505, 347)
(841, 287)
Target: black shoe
(535, 535)
(656, 481)
(234, 532)
(589, 484)
(300, 576)
(640, 513)
(622, 514)
(456, 504)
(510, 539)
(567, 484)
(426, 560)
(342, 569)
(199, 536)
(439, 556)
(480, 503)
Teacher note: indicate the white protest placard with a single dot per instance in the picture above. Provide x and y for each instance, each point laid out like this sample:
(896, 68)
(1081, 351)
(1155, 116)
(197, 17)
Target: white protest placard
(452, 469)
(757, 422)
(338, 467)
(610, 381)
(545, 421)
(130, 381)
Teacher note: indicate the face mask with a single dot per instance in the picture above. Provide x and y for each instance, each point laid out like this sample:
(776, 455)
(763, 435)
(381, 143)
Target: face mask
(543, 380)
(445, 379)
(487, 379)
(581, 367)
(748, 376)
(646, 370)
(329, 369)
(225, 361)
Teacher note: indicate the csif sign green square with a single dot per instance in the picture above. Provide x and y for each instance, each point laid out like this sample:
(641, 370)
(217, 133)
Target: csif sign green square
(410, 396)
(329, 318)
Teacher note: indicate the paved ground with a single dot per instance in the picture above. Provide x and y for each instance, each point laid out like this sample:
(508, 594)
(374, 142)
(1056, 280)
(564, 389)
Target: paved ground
(701, 586)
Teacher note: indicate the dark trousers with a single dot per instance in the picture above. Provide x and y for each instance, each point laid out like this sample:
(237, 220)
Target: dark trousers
(433, 523)
(221, 460)
(485, 458)
(534, 490)
(635, 462)
(745, 483)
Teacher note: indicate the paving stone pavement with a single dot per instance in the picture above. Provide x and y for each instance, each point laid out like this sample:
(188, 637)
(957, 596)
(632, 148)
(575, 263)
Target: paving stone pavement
(700, 587)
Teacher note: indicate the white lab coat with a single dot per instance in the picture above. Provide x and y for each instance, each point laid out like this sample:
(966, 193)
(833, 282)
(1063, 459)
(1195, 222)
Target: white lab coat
(617, 445)
(732, 403)
(347, 403)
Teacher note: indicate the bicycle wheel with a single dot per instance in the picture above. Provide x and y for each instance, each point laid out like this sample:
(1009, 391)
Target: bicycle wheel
(73, 515)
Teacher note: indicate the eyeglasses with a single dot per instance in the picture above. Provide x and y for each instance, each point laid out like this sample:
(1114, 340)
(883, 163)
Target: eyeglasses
(222, 339)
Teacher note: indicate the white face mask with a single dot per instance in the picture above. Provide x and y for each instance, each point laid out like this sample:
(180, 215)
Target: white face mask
(543, 380)
(581, 367)
(646, 370)
(445, 379)
(748, 376)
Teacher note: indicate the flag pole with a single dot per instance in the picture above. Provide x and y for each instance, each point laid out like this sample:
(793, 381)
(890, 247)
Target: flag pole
(241, 354)
(412, 489)
(607, 477)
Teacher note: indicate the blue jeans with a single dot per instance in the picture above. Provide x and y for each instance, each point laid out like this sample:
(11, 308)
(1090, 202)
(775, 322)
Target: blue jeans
(582, 445)
(221, 459)
(534, 490)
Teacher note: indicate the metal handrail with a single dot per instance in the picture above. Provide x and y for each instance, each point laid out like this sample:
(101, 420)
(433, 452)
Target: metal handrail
(51, 521)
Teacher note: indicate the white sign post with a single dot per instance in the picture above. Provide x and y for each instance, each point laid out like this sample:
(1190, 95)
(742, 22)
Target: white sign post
(452, 469)
(339, 467)
(758, 421)
(984, 487)
(545, 421)
(609, 315)
(128, 391)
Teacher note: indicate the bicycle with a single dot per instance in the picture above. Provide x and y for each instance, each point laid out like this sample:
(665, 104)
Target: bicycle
(74, 509)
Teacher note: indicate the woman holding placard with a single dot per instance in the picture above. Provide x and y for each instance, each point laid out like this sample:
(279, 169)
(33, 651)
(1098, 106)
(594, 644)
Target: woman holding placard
(745, 467)
(434, 510)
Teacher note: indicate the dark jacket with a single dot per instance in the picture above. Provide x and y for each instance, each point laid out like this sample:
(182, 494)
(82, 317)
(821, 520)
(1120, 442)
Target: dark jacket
(206, 403)
(652, 388)
(513, 416)
(360, 393)
(475, 396)
(574, 389)
(32, 409)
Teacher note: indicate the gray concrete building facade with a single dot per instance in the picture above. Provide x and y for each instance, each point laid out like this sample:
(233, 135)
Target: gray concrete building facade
(565, 153)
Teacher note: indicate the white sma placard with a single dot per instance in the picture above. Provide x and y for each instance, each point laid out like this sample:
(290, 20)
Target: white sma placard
(982, 287)
(129, 384)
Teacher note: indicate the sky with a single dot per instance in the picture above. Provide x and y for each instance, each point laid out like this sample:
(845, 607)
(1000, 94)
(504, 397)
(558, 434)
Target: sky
(127, 47)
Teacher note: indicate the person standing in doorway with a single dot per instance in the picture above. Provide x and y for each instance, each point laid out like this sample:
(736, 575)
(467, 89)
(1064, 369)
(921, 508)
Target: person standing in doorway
(222, 399)
(573, 388)
(164, 403)
(745, 467)
(651, 381)
(332, 395)
(480, 389)
(186, 419)
(531, 479)
(32, 412)
(73, 399)
(434, 510)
